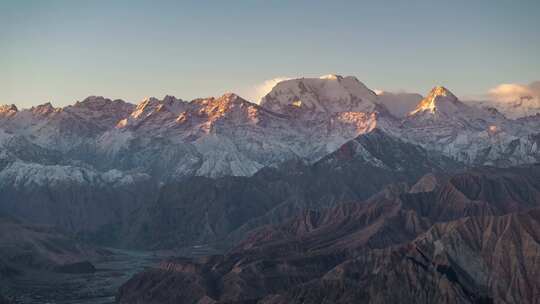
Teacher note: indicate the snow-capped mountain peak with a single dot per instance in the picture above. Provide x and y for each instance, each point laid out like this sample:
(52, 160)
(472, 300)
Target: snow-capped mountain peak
(93, 100)
(172, 100)
(8, 110)
(304, 118)
(153, 112)
(97, 103)
(100, 111)
(145, 107)
(227, 105)
(440, 99)
(327, 94)
(441, 91)
(230, 97)
(222, 103)
(43, 109)
(151, 105)
(331, 77)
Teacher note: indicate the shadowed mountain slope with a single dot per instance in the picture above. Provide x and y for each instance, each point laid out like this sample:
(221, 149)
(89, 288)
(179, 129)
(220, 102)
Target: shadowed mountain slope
(449, 245)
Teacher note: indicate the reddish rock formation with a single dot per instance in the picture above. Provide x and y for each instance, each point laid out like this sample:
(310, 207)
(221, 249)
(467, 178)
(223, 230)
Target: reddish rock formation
(474, 238)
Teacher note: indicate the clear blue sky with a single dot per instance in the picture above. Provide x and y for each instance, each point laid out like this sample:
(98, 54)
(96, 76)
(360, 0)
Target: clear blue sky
(62, 51)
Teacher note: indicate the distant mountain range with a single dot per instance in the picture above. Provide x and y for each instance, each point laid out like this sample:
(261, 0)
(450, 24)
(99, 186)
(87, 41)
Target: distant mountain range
(64, 166)
(305, 118)
(316, 194)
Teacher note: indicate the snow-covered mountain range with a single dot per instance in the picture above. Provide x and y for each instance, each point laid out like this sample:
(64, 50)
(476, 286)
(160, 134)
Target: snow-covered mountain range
(213, 173)
(305, 118)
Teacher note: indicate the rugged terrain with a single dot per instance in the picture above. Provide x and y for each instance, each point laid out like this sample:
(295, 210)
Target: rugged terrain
(468, 238)
(108, 170)
(24, 246)
(29, 250)
(316, 195)
(201, 210)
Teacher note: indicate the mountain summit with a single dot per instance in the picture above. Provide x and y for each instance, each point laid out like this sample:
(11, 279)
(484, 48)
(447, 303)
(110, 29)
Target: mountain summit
(304, 118)
(327, 94)
(8, 110)
(439, 99)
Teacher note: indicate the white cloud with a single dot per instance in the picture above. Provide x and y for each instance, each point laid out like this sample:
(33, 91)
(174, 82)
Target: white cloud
(513, 99)
(256, 92)
(399, 103)
(510, 92)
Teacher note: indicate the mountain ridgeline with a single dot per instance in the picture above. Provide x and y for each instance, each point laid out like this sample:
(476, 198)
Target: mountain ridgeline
(319, 194)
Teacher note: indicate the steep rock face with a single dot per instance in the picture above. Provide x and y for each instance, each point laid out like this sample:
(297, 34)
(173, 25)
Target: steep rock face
(440, 102)
(348, 253)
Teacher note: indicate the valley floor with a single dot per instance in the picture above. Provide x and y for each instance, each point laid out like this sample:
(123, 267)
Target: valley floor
(99, 287)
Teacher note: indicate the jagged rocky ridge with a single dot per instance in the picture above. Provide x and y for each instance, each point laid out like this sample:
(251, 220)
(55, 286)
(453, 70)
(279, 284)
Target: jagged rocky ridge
(465, 238)
(98, 165)
(122, 209)
(170, 173)
(305, 118)
(172, 139)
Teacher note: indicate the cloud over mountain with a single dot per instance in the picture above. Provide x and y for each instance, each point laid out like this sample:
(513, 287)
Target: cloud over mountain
(254, 93)
(513, 99)
(509, 92)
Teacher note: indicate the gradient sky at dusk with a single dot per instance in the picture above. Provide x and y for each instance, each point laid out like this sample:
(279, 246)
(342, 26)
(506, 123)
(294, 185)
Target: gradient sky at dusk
(62, 51)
